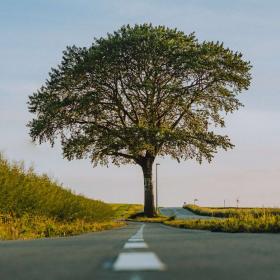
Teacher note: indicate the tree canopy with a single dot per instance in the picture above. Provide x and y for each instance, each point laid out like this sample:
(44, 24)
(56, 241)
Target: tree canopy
(140, 92)
(141, 89)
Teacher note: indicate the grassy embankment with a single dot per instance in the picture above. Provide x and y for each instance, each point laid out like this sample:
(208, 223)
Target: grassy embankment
(235, 219)
(33, 206)
(124, 211)
(231, 211)
(140, 217)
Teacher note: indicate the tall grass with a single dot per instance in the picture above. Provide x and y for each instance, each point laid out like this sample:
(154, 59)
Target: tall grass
(124, 211)
(232, 212)
(264, 223)
(30, 226)
(235, 219)
(24, 192)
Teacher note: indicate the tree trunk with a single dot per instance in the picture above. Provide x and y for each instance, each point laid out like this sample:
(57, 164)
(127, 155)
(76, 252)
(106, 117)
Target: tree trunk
(149, 206)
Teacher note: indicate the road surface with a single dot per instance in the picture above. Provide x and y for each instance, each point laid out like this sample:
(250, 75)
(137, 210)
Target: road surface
(144, 251)
(181, 213)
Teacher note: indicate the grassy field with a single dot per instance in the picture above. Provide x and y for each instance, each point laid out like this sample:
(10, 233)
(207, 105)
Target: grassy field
(231, 211)
(30, 226)
(158, 219)
(124, 211)
(244, 223)
(235, 219)
(24, 192)
(33, 206)
(251, 220)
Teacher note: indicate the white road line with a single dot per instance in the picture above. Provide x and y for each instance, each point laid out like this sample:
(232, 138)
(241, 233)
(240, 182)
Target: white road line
(138, 261)
(135, 245)
(138, 234)
(134, 239)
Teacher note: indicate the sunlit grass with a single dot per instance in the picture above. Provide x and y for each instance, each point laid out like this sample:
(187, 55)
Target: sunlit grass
(251, 220)
(242, 223)
(28, 227)
(158, 219)
(235, 219)
(24, 192)
(141, 217)
(231, 212)
(34, 206)
(124, 211)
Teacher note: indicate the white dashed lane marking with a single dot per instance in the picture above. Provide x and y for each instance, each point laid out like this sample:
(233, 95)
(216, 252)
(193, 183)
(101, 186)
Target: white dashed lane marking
(138, 234)
(135, 245)
(135, 240)
(137, 261)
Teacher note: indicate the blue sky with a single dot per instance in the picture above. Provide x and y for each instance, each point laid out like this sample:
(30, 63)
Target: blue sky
(35, 32)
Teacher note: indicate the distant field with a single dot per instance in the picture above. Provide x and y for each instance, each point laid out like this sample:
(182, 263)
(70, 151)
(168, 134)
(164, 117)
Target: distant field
(231, 211)
(33, 206)
(256, 220)
(233, 220)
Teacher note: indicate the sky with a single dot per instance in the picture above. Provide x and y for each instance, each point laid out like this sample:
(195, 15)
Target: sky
(34, 33)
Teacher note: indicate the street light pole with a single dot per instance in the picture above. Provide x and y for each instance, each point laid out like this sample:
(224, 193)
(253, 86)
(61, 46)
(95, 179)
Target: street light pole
(237, 202)
(157, 164)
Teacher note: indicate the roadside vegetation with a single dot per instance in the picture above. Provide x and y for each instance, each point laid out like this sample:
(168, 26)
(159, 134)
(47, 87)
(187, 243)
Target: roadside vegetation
(243, 223)
(144, 219)
(235, 219)
(124, 211)
(34, 206)
(250, 220)
(231, 211)
(140, 216)
(30, 226)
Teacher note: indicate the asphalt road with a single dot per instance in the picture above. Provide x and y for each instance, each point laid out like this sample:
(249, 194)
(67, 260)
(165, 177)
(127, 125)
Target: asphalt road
(181, 213)
(163, 253)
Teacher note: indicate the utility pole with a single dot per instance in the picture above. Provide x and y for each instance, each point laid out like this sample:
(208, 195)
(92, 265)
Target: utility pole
(224, 203)
(157, 164)
(237, 202)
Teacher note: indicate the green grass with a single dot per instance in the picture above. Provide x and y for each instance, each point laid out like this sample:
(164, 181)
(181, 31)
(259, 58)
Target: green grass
(243, 223)
(254, 220)
(124, 211)
(231, 212)
(250, 220)
(34, 206)
(30, 226)
(24, 192)
(143, 219)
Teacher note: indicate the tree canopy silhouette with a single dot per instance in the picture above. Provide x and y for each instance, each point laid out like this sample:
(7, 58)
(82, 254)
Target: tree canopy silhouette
(138, 93)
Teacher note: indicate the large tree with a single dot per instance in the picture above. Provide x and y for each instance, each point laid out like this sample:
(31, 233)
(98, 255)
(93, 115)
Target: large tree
(139, 93)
